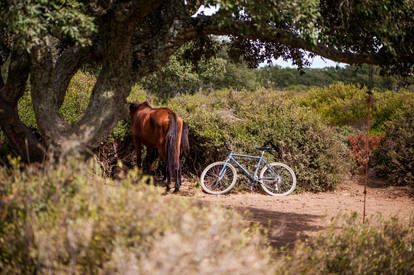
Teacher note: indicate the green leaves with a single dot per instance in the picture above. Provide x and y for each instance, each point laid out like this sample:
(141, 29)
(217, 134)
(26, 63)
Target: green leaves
(32, 23)
(298, 15)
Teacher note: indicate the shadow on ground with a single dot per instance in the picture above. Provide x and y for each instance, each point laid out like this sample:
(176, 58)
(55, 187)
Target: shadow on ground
(283, 228)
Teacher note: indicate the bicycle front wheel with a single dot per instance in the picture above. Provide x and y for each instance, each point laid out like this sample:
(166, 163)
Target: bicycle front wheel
(277, 179)
(218, 178)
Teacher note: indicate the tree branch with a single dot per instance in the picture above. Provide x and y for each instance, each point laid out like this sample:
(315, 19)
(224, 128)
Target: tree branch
(249, 30)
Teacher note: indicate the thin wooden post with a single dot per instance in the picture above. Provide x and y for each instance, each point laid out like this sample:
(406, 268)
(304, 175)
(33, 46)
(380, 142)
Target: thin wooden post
(368, 101)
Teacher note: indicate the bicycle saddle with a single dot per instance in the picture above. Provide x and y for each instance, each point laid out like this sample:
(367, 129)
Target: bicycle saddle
(264, 148)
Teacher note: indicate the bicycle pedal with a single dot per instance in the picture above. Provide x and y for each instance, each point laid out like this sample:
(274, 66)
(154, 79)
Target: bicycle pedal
(250, 183)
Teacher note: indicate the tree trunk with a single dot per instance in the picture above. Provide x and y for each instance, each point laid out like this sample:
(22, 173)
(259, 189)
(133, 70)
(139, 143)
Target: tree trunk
(20, 136)
(107, 104)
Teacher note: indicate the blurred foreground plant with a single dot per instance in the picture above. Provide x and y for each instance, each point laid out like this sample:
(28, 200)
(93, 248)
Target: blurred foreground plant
(349, 247)
(68, 219)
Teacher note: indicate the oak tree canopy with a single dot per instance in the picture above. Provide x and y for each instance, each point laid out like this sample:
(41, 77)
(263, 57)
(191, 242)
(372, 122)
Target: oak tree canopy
(44, 43)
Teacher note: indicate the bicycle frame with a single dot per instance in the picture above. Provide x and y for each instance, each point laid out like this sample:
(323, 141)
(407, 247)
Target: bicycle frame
(252, 177)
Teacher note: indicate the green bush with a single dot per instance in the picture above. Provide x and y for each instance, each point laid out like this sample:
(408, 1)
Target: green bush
(394, 158)
(70, 220)
(339, 103)
(344, 104)
(349, 247)
(246, 120)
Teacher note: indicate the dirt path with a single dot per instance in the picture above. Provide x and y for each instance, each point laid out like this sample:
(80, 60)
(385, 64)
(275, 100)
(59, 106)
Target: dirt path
(299, 216)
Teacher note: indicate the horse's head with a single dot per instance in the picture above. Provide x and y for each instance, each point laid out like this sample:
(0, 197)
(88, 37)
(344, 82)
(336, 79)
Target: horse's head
(135, 106)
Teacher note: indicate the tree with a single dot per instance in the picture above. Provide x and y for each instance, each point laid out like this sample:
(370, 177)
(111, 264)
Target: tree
(47, 41)
(182, 75)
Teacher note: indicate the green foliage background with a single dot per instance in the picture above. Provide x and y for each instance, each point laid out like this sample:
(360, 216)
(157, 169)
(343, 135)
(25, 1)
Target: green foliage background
(345, 104)
(246, 120)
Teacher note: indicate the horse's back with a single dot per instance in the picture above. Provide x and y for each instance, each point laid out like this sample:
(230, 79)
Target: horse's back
(151, 125)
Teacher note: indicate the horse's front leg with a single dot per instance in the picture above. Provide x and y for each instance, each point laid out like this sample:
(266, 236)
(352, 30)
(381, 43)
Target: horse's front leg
(138, 145)
(165, 172)
(149, 159)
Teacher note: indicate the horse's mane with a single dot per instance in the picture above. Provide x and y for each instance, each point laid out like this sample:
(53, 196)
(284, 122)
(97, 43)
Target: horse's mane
(133, 106)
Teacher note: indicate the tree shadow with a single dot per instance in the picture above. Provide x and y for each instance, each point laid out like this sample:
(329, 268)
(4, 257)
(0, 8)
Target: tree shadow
(283, 228)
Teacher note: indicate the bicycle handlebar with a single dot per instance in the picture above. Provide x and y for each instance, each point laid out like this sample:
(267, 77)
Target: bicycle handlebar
(227, 146)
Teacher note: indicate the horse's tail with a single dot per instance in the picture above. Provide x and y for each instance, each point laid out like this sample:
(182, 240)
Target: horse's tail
(173, 145)
(185, 145)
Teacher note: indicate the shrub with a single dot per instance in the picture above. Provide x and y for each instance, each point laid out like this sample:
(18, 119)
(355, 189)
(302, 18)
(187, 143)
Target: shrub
(348, 247)
(344, 104)
(395, 156)
(68, 219)
(297, 136)
(340, 104)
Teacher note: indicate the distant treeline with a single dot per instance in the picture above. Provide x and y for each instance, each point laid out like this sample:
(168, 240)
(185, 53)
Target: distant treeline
(290, 78)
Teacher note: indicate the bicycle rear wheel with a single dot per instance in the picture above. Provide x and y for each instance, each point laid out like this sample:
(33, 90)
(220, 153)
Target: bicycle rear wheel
(277, 179)
(217, 180)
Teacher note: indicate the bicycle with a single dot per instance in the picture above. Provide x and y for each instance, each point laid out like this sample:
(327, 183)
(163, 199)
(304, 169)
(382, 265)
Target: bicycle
(276, 179)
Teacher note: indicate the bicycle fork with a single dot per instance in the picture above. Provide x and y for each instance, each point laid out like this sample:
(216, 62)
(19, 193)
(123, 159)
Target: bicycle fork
(223, 170)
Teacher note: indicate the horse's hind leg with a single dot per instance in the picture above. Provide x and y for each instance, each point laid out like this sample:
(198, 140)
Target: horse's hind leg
(167, 171)
(167, 184)
(178, 180)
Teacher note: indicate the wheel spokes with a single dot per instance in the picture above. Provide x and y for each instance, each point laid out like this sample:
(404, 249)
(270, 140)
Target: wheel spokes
(214, 181)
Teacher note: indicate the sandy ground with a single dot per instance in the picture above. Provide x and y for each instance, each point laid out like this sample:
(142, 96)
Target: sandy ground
(299, 216)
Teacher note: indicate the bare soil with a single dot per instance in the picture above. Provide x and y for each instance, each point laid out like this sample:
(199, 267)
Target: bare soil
(299, 216)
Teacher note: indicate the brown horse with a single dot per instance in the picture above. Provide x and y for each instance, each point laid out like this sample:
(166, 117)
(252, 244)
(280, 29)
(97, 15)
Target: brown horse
(160, 130)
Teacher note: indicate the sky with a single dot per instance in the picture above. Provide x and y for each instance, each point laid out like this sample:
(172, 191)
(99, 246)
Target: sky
(317, 62)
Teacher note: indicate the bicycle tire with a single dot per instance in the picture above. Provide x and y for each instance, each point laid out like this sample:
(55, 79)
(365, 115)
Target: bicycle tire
(210, 175)
(283, 183)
